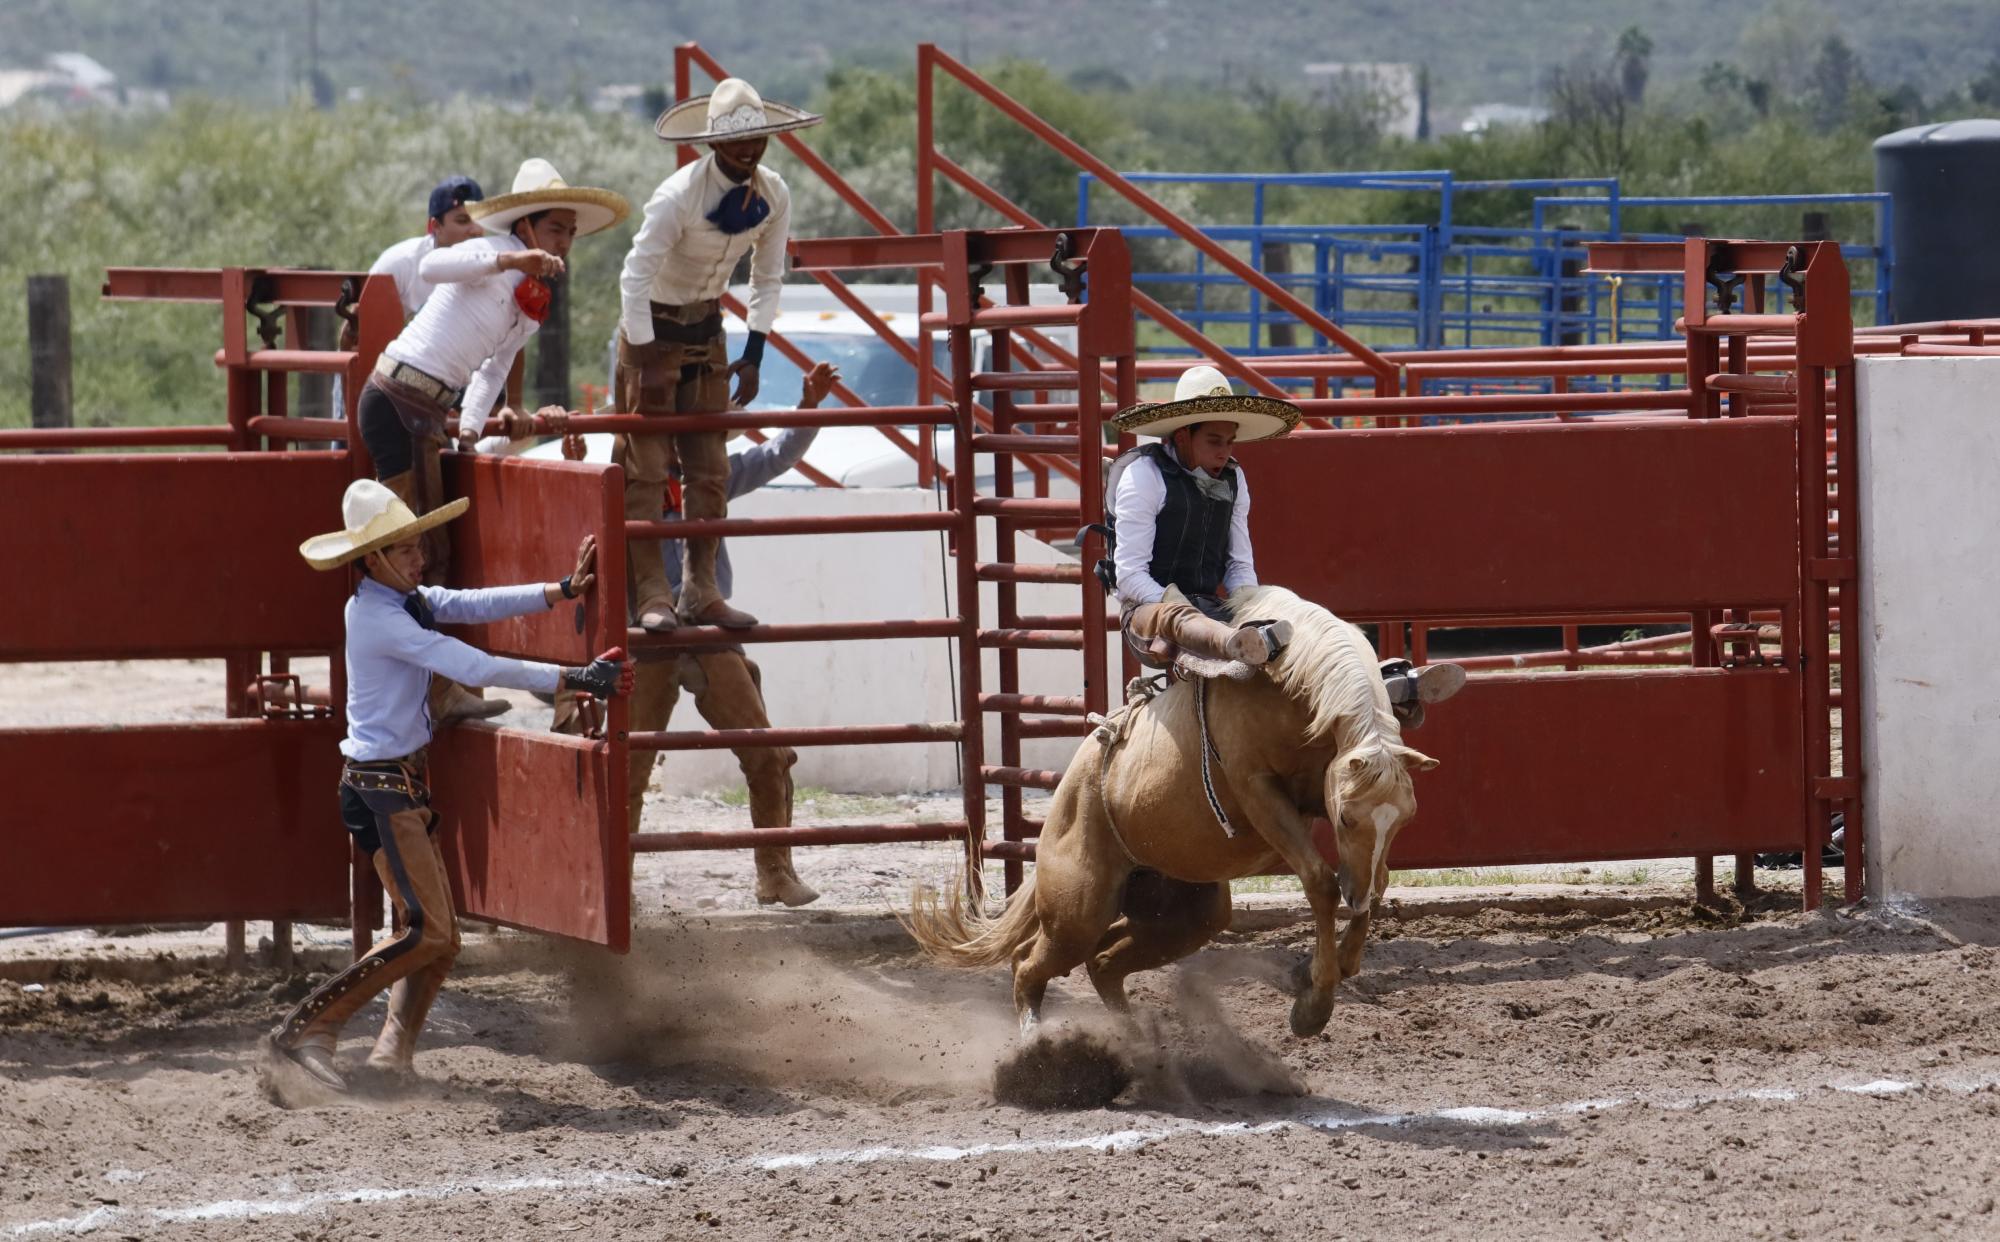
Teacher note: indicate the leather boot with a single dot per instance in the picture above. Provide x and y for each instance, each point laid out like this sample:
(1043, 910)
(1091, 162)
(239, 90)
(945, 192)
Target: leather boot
(778, 883)
(410, 1002)
(1259, 642)
(451, 702)
(654, 599)
(1427, 683)
(719, 612)
(317, 1062)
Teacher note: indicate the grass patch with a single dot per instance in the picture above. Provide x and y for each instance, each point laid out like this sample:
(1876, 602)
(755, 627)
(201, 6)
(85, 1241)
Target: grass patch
(1266, 884)
(1488, 877)
(1466, 877)
(822, 801)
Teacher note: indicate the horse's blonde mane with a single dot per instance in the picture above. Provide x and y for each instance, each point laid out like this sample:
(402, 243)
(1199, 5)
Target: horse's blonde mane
(1328, 668)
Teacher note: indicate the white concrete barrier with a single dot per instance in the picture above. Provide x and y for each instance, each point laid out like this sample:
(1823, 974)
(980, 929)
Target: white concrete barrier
(1929, 447)
(792, 580)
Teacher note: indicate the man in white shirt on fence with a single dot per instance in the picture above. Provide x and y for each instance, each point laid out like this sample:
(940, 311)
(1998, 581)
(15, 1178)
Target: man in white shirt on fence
(672, 355)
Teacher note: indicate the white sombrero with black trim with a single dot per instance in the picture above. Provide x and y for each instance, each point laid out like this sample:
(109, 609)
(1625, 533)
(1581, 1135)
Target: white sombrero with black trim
(732, 112)
(539, 187)
(376, 517)
(1203, 395)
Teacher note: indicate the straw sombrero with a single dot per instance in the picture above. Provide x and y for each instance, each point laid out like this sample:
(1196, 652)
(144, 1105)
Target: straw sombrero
(734, 111)
(375, 518)
(1203, 395)
(539, 187)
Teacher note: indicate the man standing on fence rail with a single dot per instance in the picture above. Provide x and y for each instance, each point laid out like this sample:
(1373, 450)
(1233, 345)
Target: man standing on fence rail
(727, 687)
(1182, 543)
(393, 648)
(672, 355)
(456, 353)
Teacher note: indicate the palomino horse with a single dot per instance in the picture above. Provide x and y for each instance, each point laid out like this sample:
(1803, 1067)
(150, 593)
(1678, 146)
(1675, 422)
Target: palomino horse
(1132, 870)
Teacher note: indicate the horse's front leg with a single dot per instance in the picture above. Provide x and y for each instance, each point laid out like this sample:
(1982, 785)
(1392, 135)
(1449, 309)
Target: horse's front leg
(1290, 833)
(1353, 939)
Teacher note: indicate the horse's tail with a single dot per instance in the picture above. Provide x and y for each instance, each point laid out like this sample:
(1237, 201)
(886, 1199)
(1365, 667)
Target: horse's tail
(950, 930)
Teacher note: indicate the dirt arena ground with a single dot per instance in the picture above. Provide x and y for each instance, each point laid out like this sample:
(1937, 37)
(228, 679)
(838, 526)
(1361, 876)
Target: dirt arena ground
(1655, 1074)
(1652, 1070)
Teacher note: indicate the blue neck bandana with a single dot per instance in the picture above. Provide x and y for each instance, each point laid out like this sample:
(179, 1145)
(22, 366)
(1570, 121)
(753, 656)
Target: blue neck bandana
(740, 210)
(419, 609)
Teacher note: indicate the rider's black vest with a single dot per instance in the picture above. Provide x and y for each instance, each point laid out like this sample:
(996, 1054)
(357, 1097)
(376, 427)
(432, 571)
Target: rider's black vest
(1191, 534)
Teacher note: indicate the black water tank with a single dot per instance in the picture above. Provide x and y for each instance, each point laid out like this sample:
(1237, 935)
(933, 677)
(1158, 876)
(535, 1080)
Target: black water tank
(1946, 183)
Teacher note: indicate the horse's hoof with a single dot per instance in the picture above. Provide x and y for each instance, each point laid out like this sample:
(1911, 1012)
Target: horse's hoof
(1310, 1013)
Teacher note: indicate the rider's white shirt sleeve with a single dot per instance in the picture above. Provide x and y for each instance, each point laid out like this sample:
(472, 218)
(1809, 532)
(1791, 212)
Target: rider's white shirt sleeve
(1135, 509)
(1242, 571)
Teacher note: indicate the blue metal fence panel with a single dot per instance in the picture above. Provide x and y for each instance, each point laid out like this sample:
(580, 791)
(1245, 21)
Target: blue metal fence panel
(1437, 283)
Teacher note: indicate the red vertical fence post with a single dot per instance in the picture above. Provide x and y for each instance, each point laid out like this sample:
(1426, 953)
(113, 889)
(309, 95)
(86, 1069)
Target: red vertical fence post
(964, 494)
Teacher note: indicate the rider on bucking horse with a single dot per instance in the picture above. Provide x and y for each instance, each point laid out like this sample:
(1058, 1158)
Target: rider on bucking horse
(1181, 507)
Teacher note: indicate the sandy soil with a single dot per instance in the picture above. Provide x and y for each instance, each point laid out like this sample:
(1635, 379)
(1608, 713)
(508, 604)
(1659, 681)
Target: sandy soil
(1660, 1074)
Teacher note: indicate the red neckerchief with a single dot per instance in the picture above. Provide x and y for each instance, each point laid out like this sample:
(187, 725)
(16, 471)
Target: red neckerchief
(532, 296)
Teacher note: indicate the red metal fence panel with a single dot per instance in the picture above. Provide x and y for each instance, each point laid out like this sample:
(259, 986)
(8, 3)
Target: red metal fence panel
(1445, 522)
(533, 831)
(156, 554)
(1573, 767)
(173, 823)
(524, 524)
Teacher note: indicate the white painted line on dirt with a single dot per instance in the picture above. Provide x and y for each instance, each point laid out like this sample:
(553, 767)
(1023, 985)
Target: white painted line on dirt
(1881, 1086)
(250, 1209)
(1116, 1140)
(1126, 1140)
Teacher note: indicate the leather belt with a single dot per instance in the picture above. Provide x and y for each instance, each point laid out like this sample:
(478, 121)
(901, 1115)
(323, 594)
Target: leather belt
(406, 776)
(700, 332)
(429, 385)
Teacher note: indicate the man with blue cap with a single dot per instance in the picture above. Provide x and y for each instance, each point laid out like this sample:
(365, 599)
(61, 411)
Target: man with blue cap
(448, 225)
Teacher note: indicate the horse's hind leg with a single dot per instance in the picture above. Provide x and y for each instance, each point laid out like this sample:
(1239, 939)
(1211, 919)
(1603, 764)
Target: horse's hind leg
(1164, 921)
(1078, 881)
(1059, 947)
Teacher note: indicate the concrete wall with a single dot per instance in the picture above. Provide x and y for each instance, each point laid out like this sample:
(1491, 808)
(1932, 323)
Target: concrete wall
(795, 580)
(1929, 447)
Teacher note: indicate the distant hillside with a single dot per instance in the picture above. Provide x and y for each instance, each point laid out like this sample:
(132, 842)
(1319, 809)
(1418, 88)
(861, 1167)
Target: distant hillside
(1477, 50)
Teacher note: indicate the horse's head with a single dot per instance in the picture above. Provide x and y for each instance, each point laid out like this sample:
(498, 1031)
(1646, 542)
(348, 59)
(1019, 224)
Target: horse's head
(1369, 797)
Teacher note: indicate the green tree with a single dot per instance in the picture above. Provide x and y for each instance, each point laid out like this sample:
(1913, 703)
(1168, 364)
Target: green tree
(1633, 62)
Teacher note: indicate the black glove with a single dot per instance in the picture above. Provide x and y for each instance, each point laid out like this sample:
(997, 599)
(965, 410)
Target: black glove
(606, 677)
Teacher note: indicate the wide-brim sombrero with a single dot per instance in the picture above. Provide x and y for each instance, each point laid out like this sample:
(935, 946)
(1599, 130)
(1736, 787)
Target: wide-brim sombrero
(732, 112)
(376, 518)
(538, 187)
(1203, 395)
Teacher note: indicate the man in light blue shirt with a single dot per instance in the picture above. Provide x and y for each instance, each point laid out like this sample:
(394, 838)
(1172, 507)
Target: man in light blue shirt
(393, 648)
